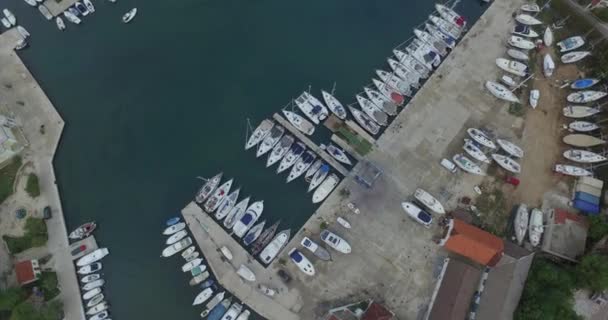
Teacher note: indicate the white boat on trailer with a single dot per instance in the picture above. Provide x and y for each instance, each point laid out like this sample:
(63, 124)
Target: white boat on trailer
(335, 241)
(471, 149)
(403, 87)
(572, 170)
(259, 133)
(548, 65)
(299, 122)
(407, 75)
(583, 156)
(467, 165)
(507, 163)
(586, 96)
(334, 105)
(548, 37)
(279, 150)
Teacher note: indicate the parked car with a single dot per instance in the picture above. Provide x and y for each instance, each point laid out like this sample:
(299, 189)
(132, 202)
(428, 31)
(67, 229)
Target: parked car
(417, 214)
(47, 213)
(284, 276)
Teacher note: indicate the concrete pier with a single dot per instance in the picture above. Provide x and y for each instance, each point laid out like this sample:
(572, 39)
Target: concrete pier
(90, 245)
(58, 7)
(360, 131)
(311, 145)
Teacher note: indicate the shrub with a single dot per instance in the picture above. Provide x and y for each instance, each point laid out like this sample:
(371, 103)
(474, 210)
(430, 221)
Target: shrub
(32, 187)
(35, 236)
(7, 178)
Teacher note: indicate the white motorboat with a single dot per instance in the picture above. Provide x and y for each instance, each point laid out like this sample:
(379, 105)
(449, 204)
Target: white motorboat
(197, 279)
(191, 264)
(71, 17)
(527, 19)
(130, 15)
(311, 107)
(535, 229)
(471, 149)
(570, 170)
(583, 156)
(227, 204)
(435, 32)
(32, 3)
(407, 60)
(548, 65)
(89, 5)
(60, 24)
(515, 67)
(294, 153)
(534, 97)
(423, 53)
(5, 22)
(90, 268)
(73, 11)
(23, 32)
(21, 44)
(270, 140)
(83, 231)
(524, 31)
(192, 256)
(417, 214)
(578, 112)
(245, 315)
(511, 148)
(575, 56)
(318, 177)
(380, 101)
(584, 83)
(506, 163)
(176, 237)
(218, 196)
(481, 138)
(215, 300)
(279, 150)
(313, 169)
(467, 165)
(429, 201)
(174, 228)
(217, 311)
(252, 214)
(299, 122)
(275, 246)
(334, 105)
(446, 27)
(521, 223)
(571, 43)
(259, 133)
(335, 241)
(46, 13)
(81, 8)
(518, 54)
(10, 17)
(343, 222)
(437, 44)
(104, 315)
(451, 16)
(585, 96)
(583, 126)
(202, 296)
(372, 111)
(548, 37)
(301, 262)
(98, 308)
(501, 92)
(254, 233)
(93, 257)
(390, 93)
(93, 284)
(530, 7)
(198, 270)
(177, 247)
(301, 165)
(509, 81)
(582, 140)
(325, 188)
(365, 121)
(401, 86)
(233, 311)
(91, 293)
(97, 299)
(409, 76)
(316, 249)
(337, 153)
(90, 278)
(205, 191)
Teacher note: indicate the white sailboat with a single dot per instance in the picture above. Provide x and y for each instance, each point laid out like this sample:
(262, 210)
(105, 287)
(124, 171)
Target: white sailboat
(521, 43)
(515, 67)
(467, 165)
(572, 170)
(583, 126)
(236, 213)
(380, 101)
(390, 93)
(521, 223)
(334, 105)
(205, 191)
(226, 204)
(481, 138)
(535, 230)
(578, 112)
(294, 153)
(279, 150)
(471, 149)
(270, 140)
(301, 165)
(451, 16)
(507, 163)
(575, 56)
(437, 44)
(252, 214)
(253, 233)
(393, 81)
(429, 201)
(501, 92)
(325, 188)
(318, 177)
(434, 31)
(299, 122)
(511, 148)
(407, 60)
(407, 75)
(275, 246)
(372, 111)
(423, 53)
(583, 156)
(365, 121)
(586, 96)
(60, 24)
(311, 107)
(313, 169)
(218, 196)
(447, 27)
(259, 133)
(337, 153)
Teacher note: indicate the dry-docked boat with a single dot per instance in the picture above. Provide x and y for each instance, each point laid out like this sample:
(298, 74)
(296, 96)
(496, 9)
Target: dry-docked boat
(407, 60)
(509, 81)
(518, 54)
(429, 201)
(380, 101)
(318, 177)
(325, 188)
(335, 241)
(205, 191)
(527, 19)
(471, 149)
(437, 44)
(299, 122)
(254, 233)
(407, 75)
(270, 140)
(301, 262)
(390, 79)
(524, 31)
(548, 37)
(511, 148)
(481, 138)
(583, 156)
(226, 204)
(390, 93)
(301, 165)
(451, 16)
(515, 67)
(548, 65)
(467, 165)
(578, 112)
(572, 170)
(501, 92)
(264, 238)
(521, 223)
(506, 163)
(60, 24)
(83, 231)
(93, 257)
(203, 296)
(252, 214)
(423, 53)
(571, 43)
(334, 105)
(582, 140)
(313, 169)
(294, 153)
(372, 110)
(177, 247)
(259, 133)
(174, 228)
(365, 121)
(435, 32)
(530, 7)
(176, 237)
(279, 150)
(337, 153)
(534, 97)
(448, 28)
(275, 246)
(311, 107)
(584, 83)
(583, 126)
(535, 229)
(191, 264)
(316, 249)
(585, 96)
(575, 56)
(521, 43)
(218, 196)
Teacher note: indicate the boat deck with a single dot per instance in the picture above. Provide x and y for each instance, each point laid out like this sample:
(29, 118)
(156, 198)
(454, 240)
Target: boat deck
(58, 7)
(89, 242)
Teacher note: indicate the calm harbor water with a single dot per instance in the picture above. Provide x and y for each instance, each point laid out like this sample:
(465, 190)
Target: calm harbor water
(151, 105)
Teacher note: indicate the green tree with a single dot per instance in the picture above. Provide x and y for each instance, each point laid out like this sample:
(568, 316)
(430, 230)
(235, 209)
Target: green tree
(592, 272)
(25, 311)
(11, 297)
(48, 284)
(36, 230)
(33, 186)
(52, 311)
(598, 227)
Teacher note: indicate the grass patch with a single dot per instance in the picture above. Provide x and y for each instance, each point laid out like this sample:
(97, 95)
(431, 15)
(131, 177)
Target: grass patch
(492, 208)
(601, 13)
(35, 235)
(48, 284)
(32, 187)
(7, 178)
(361, 145)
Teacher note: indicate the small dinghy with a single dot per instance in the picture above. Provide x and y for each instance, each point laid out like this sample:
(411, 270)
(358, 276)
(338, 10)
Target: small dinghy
(527, 19)
(325, 188)
(585, 96)
(471, 149)
(318, 177)
(90, 278)
(192, 264)
(515, 67)
(506, 163)
(578, 112)
(530, 7)
(534, 97)
(207, 189)
(294, 153)
(252, 214)
(335, 242)
(548, 65)
(176, 247)
(582, 140)
(90, 268)
(129, 16)
(583, 126)
(524, 31)
(299, 122)
(343, 222)
(93, 257)
(575, 56)
(254, 233)
(10, 17)
(337, 153)
(481, 138)
(571, 43)
(83, 231)
(403, 72)
(451, 16)
(270, 140)
(501, 92)
(174, 228)
(334, 105)
(570, 170)
(279, 150)
(202, 297)
(365, 121)
(521, 223)
(176, 237)
(390, 93)
(548, 37)
(511, 148)
(302, 262)
(226, 205)
(380, 101)
(535, 229)
(447, 27)
(311, 107)
(429, 201)
(410, 62)
(583, 156)
(218, 196)
(435, 32)
(301, 165)
(259, 133)
(91, 293)
(467, 165)
(518, 54)
(275, 246)
(316, 249)
(584, 83)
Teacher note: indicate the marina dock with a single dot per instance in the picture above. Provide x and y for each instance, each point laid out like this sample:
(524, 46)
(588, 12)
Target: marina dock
(90, 245)
(311, 145)
(355, 127)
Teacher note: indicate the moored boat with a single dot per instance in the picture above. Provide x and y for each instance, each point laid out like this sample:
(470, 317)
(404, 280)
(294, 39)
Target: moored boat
(233, 311)
(434, 31)
(279, 150)
(176, 237)
(325, 188)
(299, 122)
(270, 140)
(46, 13)
(259, 133)
(207, 189)
(446, 27)
(90, 268)
(173, 220)
(518, 54)
(81, 8)
(409, 61)
(506, 163)
(93, 257)
(301, 262)
(316, 249)
(10, 17)
(192, 264)
(275, 246)
(406, 74)
(177, 247)
(217, 197)
(93, 284)
(451, 16)
(301, 165)
(337, 153)
(83, 231)
(226, 205)
(401, 86)
(381, 101)
(313, 169)
(365, 121)
(130, 15)
(294, 153)
(97, 299)
(202, 296)
(264, 238)
(71, 17)
(318, 177)
(253, 233)
(89, 5)
(174, 228)
(311, 107)
(236, 213)
(91, 293)
(199, 278)
(334, 105)
(90, 278)
(437, 44)
(249, 218)
(219, 310)
(98, 308)
(390, 93)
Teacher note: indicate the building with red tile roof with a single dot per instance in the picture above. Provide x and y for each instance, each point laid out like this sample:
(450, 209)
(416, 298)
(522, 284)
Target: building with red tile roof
(469, 241)
(27, 271)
